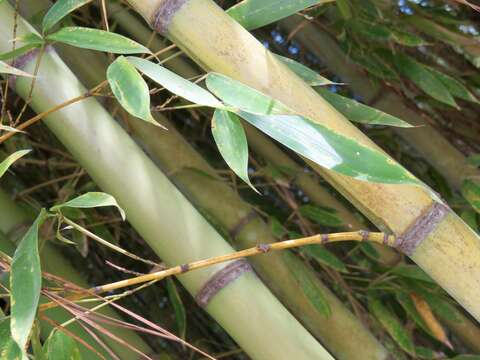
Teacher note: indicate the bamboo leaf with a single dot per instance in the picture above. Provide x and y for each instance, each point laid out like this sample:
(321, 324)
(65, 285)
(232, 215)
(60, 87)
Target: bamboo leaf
(252, 14)
(330, 149)
(59, 10)
(307, 282)
(357, 112)
(421, 76)
(7, 69)
(231, 142)
(25, 283)
(312, 140)
(412, 272)
(408, 305)
(60, 346)
(94, 39)
(130, 89)
(175, 83)
(325, 257)
(455, 87)
(5, 164)
(344, 9)
(91, 200)
(311, 77)
(320, 216)
(474, 160)
(9, 349)
(471, 192)
(243, 97)
(18, 52)
(178, 308)
(391, 324)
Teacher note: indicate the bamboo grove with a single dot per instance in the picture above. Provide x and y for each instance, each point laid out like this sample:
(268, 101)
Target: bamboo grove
(264, 179)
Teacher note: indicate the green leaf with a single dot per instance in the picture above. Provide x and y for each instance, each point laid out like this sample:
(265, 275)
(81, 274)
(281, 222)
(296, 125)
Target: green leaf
(391, 324)
(60, 346)
(320, 216)
(310, 139)
(344, 9)
(470, 217)
(330, 149)
(175, 83)
(7, 69)
(425, 353)
(252, 14)
(471, 192)
(412, 272)
(5, 164)
(474, 160)
(130, 89)
(25, 283)
(309, 76)
(243, 97)
(455, 87)
(423, 77)
(18, 52)
(324, 257)
(178, 308)
(59, 10)
(308, 283)
(94, 39)
(231, 142)
(357, 112)
(31, 39)
(466, 357)
(9, 349)
(91, 200)
(407, 39)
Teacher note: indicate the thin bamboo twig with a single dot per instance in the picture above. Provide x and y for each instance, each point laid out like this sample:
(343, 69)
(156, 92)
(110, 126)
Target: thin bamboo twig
(362, 235)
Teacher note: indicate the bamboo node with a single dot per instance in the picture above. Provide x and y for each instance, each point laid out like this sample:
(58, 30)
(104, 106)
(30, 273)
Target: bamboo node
(22, 61)
(324, 238)
(164, 14)
(421, 228)
(364, 234)
(185, 267)
(237, 229)
(221, 279)
(264, 248)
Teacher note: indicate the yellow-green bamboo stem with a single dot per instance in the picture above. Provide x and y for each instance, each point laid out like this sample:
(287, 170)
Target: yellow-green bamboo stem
(425, 139)
(450, 253)
(14, 222)
(167, 221)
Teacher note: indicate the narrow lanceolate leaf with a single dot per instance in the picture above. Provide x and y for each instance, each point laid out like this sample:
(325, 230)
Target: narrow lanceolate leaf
(310, 139)
(231, 142)
(357, 112)
(252, 14)
(433, 324)
(324, 257)
(60, 346)
(320, 216)
(307, 283)
(25, 283)
(411, 272)
(18, 52)
(175, 83)
(7, 69)
(330, 149)
(456, 88)
(91, 200)
(421, 76)
(311, 77)
(9, 349)
(243, 97)
(59, 10)
(178, 308)
(94, 39)
(5, 164)
(130, 89)
(391, 324)
(409, 306)
(471, 192)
